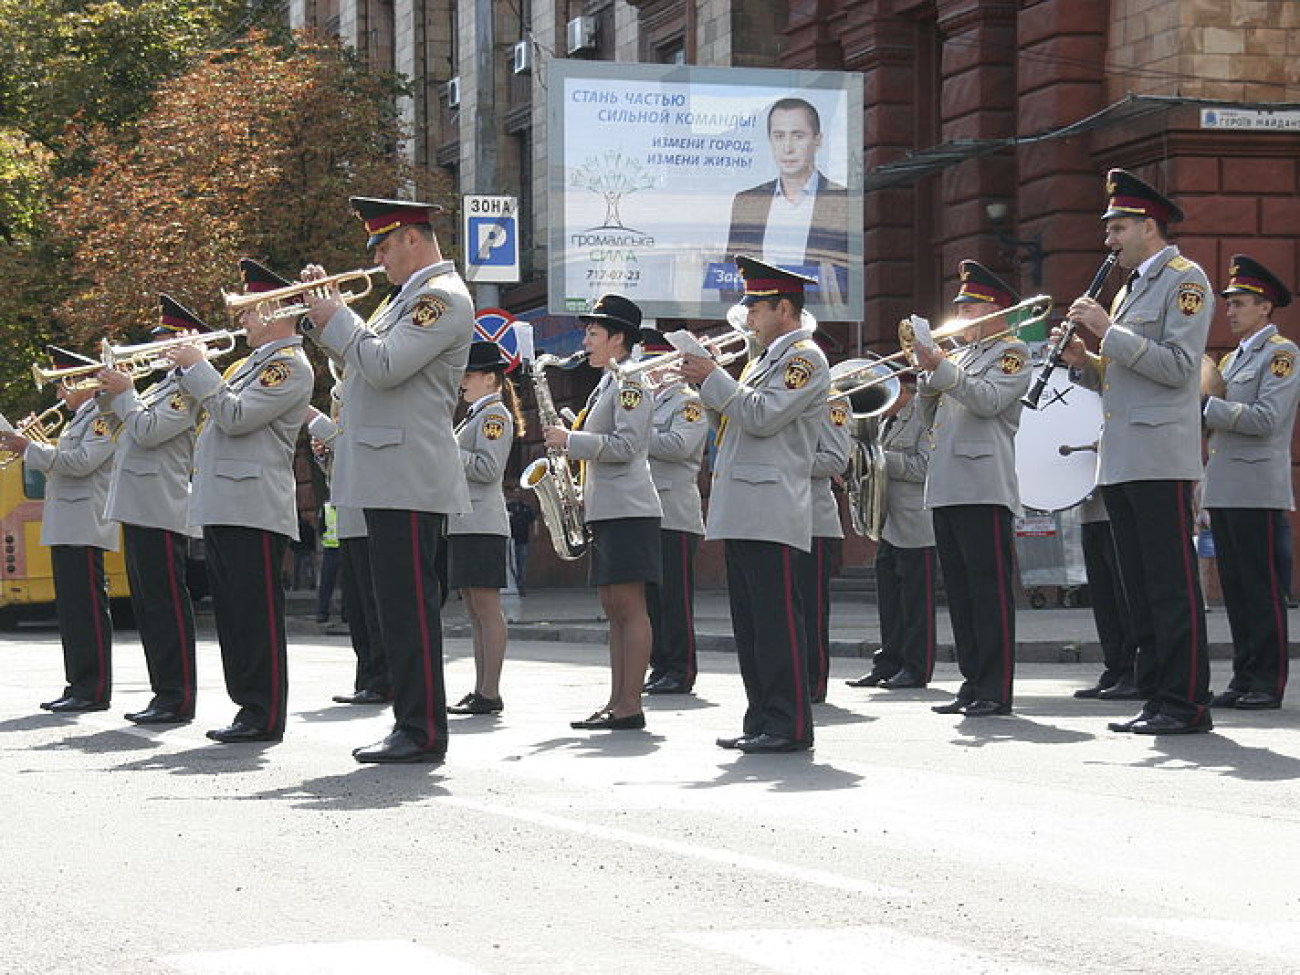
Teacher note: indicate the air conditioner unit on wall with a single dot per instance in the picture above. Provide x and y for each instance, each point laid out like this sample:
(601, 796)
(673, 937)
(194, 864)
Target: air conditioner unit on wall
(521, 57)
(452, 92)
(580, 35)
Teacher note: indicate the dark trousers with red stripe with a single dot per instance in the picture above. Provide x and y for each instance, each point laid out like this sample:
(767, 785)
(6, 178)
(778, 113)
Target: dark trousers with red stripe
(403, 565)
(767, 621)
(976, 552)
(905, 583)
(671, 605)
(248, 605)
(363, 617)
(85, 625)
(1247, 544)
(1152, 522)
(815, 567)
(1110, 612)
(164, 613)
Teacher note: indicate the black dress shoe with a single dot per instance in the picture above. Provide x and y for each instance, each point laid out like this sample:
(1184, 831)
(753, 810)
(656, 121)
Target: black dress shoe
(152, 715)
(50, 705)
(984, 709)
(1258, 701)
(364, 696)
(654, 678)
(766, 744)
(240, 732)
(904, 680)
(605, 721)
(734, 743)
(477, 704)
(75, 705)
(1122, 690)
(668, 684)
(956, 706)
(1167, 724)
(1127, 726)
(1104, 682)
(872, 679)
(1228, 699)
(399, 748)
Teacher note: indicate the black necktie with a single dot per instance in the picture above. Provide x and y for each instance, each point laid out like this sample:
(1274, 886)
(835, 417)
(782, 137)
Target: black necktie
(1132, 280)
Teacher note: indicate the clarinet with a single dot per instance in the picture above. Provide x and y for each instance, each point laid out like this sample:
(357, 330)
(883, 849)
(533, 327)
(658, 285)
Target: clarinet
(1057, 350)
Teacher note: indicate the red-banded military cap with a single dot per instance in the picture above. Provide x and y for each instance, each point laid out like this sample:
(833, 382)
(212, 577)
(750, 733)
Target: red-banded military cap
(979, 284)
(768, 281)
(61, 358)
(174, 317)
(1246, 276)
(382, 217)
(258, 277)
(652, 340)
(486, 356)
(1128, 196)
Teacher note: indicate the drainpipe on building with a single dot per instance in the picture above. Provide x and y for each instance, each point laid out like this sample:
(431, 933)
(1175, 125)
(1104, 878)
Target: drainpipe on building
(485, 121)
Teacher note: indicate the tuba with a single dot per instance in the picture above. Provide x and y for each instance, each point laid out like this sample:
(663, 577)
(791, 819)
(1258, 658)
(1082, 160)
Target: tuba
(867, 480)
(552, 478)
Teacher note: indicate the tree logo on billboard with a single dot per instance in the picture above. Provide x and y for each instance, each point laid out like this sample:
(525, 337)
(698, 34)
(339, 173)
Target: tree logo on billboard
(612, 176)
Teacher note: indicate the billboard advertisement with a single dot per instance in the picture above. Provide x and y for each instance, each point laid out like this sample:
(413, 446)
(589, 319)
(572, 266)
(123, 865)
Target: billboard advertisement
(661, 174)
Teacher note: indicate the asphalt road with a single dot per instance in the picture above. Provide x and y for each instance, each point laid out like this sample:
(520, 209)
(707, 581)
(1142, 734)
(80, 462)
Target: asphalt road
(907, 842)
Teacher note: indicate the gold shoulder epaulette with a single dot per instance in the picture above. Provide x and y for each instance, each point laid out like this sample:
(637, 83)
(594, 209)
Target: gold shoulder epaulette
(803, 344)
(1223, 360)
(1278, 338)
(1179, 263)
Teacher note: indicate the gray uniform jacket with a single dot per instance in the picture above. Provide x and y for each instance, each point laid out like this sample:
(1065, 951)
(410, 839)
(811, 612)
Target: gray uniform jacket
(676, 452)
(973, 402)
(348, 522)
(150, 483)
(485, 436)
(243, 460)
(401, 384)
(906, 443)
(770, 419)
(614, 441)
(830, 459)
(77, 472)
(1250, 428)
(1148, 374)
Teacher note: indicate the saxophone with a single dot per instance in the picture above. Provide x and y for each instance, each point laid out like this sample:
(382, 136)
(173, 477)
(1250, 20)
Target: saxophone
(552, 478)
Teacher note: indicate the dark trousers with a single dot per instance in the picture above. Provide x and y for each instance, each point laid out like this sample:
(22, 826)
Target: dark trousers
(248, 606)
(403, 565)
(767, 621)
(331, 561)
(519, 564)
(85, 624)
(1152, 523)
(671, 605)
(905, 584)
(978, 559)
(815, 567)
(363, 617)
(164, 613)
(1247, 546)
(1110, 609)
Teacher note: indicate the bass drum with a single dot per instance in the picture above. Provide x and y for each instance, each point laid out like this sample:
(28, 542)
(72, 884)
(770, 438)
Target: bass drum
(1056, 446)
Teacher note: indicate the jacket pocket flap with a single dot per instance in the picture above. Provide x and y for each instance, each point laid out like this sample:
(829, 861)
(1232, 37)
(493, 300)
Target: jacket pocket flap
(756, 473)
(1155, 416)
(380, 436)
(973, 448)
(140, 465)
(237, 470)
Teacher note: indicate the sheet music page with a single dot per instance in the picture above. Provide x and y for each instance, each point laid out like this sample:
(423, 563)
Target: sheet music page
(5, 425)
(686, 343)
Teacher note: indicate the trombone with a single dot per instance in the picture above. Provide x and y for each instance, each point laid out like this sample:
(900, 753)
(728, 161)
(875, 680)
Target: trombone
(43, 429)
(867, 375)
(237, 304)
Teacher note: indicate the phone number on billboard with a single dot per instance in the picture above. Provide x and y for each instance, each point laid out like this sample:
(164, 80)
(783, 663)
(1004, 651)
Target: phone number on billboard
(602, 274)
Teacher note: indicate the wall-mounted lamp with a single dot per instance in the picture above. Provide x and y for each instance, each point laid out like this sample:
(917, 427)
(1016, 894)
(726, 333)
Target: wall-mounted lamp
(1010, 248)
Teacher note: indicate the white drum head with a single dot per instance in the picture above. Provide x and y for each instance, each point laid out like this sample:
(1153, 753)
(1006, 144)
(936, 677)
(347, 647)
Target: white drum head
(1068, 416)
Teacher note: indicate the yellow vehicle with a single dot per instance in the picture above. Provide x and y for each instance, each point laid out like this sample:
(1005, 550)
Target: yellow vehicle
(26, 579)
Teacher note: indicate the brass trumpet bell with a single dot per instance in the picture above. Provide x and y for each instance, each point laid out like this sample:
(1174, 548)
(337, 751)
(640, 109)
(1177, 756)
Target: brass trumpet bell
(264, 302)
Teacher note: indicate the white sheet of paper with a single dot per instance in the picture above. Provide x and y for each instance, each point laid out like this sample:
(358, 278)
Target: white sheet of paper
(684, 342)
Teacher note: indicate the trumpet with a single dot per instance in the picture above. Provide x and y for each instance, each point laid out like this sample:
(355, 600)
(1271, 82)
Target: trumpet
(1034, 310)
(71, 376)
(237, 304)
(147, 357)
(43, 429)
(658, 370)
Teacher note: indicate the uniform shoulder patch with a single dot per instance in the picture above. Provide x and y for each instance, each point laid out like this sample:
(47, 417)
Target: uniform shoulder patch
(692, 411)
(1282, 364)
(100, 427)
(428, 309)
(839, 414)
(1191, 297)
(494, 425)
(273, 374)
(630, 396)
(797, 372)
(1179, 263)
(1012, 361)
(179, 402)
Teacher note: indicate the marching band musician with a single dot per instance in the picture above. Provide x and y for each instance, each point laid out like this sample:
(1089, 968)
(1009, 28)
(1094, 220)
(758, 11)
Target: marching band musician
(1247, 488)
(611, 436)
(243, 498)
(830, 459)
(401, 383)
(761, 504)
(973, 400)
(78, 534)
(478, 541)
(905, 556)
(1147, 369)
(149, 494)
(676, 452)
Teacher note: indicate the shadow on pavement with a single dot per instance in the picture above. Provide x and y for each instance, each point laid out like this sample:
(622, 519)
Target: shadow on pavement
(1214, 751)
(207, 760)
(100, 742)
(368, 787)
(978, 732)
(793, 772)
(825, 715)
(37, 722)
(343, 712)
(602, 744)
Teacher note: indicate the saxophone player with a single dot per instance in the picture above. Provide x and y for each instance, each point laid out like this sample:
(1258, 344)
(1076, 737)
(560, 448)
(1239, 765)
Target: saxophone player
(611, 437)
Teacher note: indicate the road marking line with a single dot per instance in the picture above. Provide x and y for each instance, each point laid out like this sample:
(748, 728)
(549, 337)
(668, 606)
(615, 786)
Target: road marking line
(344, 958)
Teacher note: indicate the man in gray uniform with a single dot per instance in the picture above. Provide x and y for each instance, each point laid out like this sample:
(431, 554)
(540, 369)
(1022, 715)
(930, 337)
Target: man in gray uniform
(1147, 369)
(1247, 488)
(150, 495)
(243, 497)
(830, 459)
(761, 504)
(74, 528)
(396, 452)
